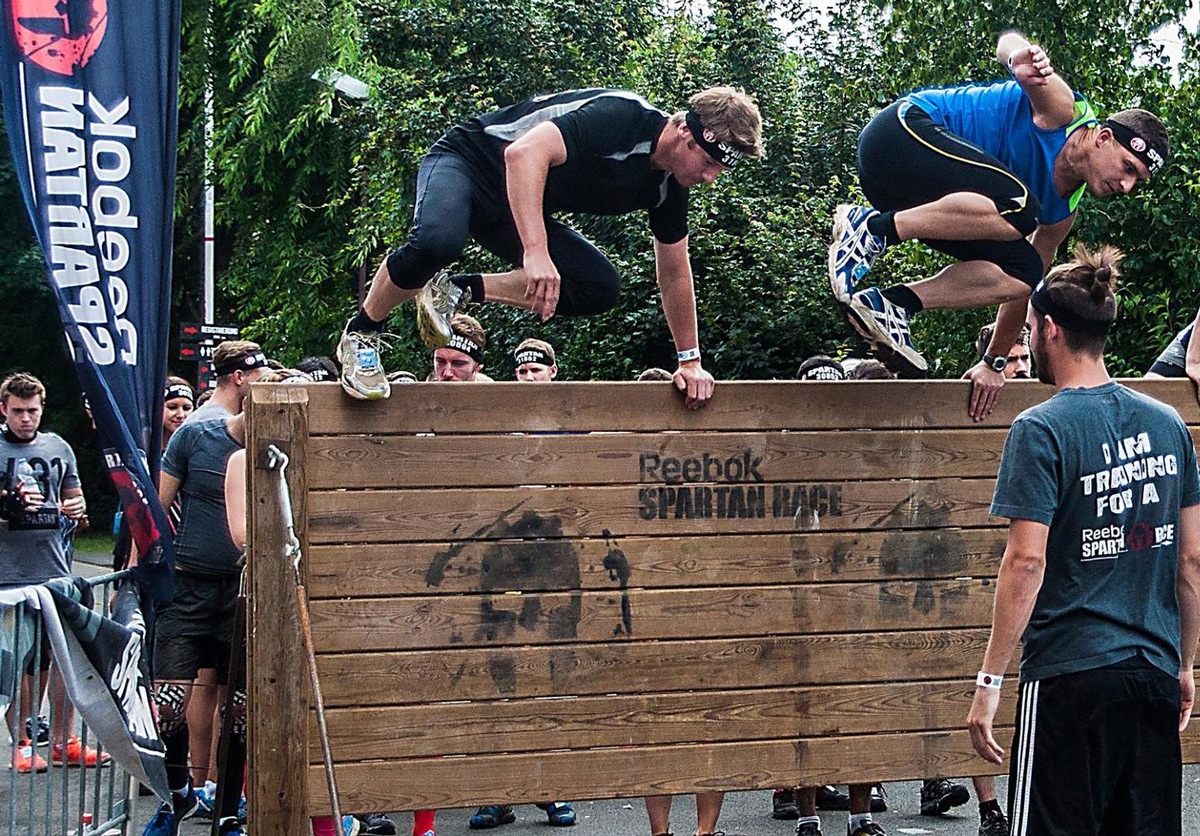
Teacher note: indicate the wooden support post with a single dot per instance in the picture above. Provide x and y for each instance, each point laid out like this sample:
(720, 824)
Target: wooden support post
(278, 691)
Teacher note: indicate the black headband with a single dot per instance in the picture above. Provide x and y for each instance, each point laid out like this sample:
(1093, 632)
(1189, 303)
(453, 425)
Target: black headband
(823, 371)
(1154, 158)
(319, 374)
(179, 390)
(725, 154)
(467, 346)
(244, 363)
(1044, 304)
(532, 355)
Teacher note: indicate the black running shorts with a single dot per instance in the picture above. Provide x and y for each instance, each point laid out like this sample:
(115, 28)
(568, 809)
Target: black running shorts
(1097, 753)
(195, 631)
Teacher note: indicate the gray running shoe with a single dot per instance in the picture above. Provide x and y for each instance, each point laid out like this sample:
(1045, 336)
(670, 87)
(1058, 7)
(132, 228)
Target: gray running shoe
(362, 374)
(436, 303)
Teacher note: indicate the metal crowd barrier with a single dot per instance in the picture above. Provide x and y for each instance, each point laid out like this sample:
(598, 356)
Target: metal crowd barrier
(77, 801)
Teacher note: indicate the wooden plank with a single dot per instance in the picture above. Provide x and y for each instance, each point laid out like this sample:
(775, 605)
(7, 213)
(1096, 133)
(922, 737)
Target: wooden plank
(377, 569)
(654, 407)
(425, 783)
(497, 513)
(392, 461)
(647, 719)
(649, 667)
(550, 618)
(277, 692)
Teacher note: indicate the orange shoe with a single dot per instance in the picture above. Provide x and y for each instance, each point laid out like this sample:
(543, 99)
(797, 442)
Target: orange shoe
(77, 755)
(25, 760)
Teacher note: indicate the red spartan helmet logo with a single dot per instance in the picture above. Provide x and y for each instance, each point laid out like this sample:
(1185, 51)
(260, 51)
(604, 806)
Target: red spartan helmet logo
(59, 35)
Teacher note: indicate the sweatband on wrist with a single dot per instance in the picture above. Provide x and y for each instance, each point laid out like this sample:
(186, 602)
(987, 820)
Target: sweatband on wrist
(687, 354)
(723, 153)
(991, 681)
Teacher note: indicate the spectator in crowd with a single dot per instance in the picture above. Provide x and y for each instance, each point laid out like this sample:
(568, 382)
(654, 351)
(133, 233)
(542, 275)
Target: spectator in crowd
(870, 370)
(403, 376)
(1181, 357)
(535, 360)
(42, 492)
(195, 630)
(318, 369)
(237, 363)
(1016, 363)
(820, 367)
(652, 374)
(461, 360)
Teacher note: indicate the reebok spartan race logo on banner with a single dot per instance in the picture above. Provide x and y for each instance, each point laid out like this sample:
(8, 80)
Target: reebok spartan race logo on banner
(723, 486)
(90, 105)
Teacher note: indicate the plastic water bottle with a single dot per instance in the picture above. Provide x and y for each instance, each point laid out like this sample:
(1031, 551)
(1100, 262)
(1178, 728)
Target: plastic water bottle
(25, 476)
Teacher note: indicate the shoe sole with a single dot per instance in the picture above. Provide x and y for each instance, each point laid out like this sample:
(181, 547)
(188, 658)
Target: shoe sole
(904, 362)
(349, 389)
(840, 223)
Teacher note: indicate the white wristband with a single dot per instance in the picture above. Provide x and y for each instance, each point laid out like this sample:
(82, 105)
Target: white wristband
(687, 354)
(991, 681)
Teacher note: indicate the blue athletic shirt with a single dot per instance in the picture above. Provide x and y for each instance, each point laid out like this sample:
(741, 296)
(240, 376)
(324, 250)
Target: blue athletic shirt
(998, 118)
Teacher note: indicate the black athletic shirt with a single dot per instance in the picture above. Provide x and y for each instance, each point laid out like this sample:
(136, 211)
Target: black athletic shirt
(609, 135)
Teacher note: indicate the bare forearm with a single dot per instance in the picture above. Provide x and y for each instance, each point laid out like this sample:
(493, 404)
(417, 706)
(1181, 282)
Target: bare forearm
(1188, 590)
(1017, 588)
(1009, 321)
(525, 183)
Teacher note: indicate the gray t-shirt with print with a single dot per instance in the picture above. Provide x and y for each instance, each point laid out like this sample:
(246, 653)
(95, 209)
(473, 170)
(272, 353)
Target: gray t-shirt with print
(1107, 469)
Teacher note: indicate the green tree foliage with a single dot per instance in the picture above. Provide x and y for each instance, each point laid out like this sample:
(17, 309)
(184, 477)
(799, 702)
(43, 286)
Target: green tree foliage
(315, 188)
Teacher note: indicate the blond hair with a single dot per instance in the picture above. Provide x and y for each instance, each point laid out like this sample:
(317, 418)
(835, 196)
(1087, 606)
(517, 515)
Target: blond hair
(731, 115)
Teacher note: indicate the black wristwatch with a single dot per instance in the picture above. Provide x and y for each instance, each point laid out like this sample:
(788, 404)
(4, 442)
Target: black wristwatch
(994, 363)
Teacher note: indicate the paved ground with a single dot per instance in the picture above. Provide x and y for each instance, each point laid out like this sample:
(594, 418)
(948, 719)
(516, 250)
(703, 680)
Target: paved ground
(745, 814)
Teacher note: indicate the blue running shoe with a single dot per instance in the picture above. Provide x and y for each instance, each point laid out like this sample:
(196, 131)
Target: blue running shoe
(560, 814)
(853, 251)
(163, 823)
(488, 817)
(350, 826)
(885, 326)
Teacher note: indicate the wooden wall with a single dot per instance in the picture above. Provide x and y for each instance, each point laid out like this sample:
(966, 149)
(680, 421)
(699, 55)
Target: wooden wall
(536, 592)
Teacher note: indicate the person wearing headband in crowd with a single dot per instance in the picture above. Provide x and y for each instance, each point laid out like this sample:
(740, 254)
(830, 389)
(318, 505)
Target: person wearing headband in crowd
(320, 369)
(1100, 582)
(179, 400)
(237, 364)
(653, 374)
(195, 630)
(462, 359)
(502, 177)
(991, 175)
(535, 361)
(820, 367)
(1018, 362)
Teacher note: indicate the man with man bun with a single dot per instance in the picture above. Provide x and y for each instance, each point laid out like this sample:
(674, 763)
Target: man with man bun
(1100, 580)
(501, 178)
